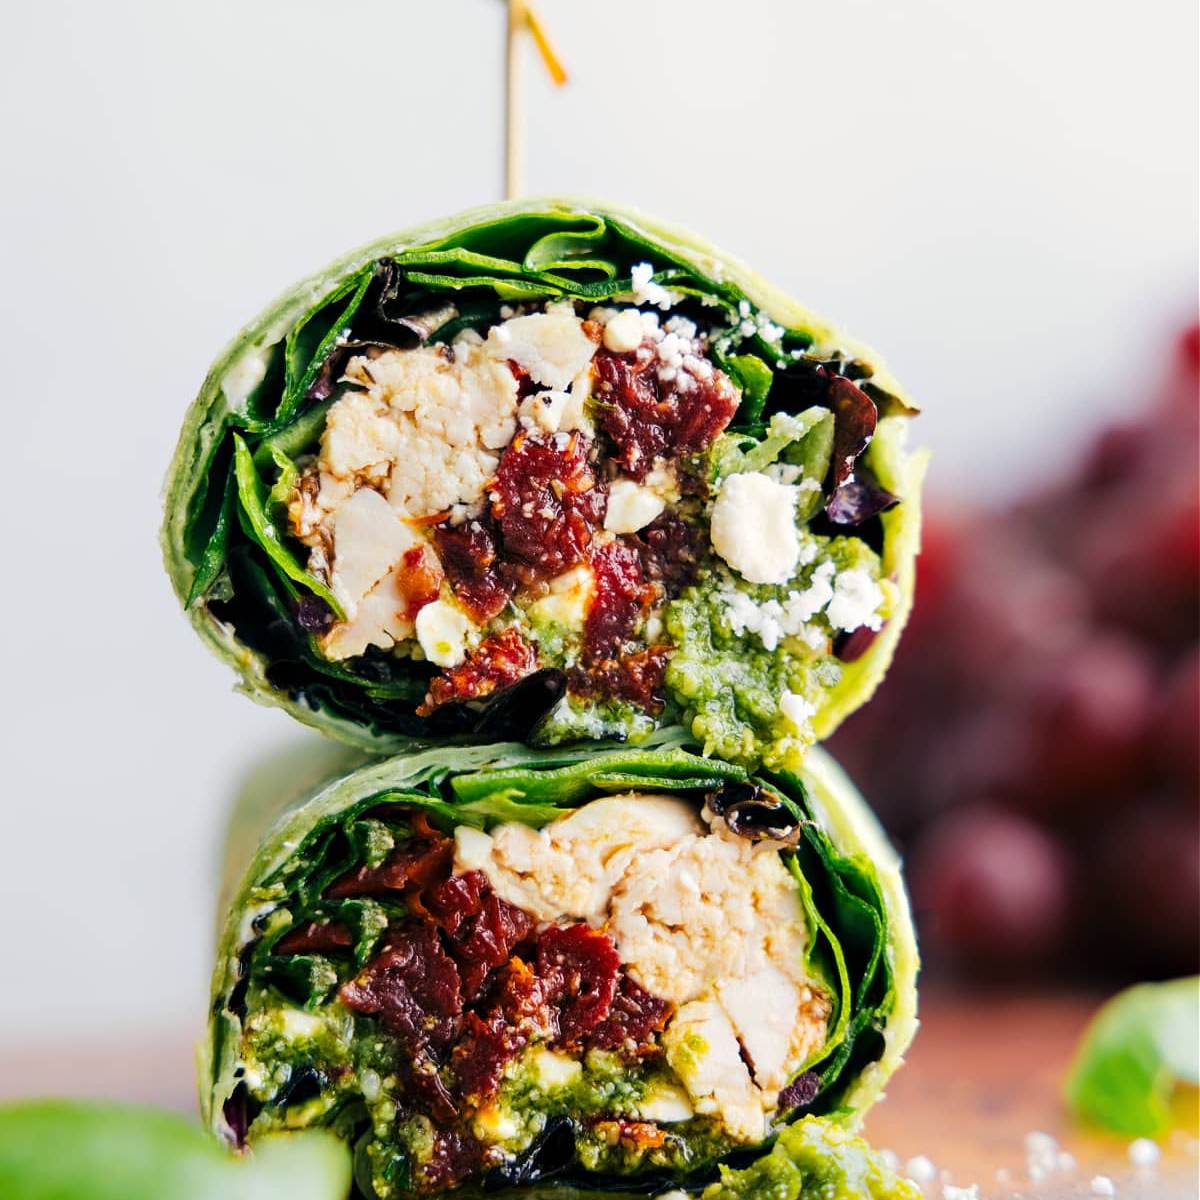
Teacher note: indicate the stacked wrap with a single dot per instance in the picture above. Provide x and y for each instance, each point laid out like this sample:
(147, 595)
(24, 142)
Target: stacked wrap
(328, 1007)
(598, 533)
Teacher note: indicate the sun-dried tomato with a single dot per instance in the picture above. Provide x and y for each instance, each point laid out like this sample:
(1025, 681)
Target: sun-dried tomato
(635, 1017)
(650, 417)
(525, 382)
(622, 597)
(419, 579)
(579, 967)
(409, 867)
(488, 943)
(671, 550)
(471, 562)
(456, 1155)
(636, 1135)
(496, 662)
(479, 1059)
(456, 899)
(483, 928)
(412, 986)
(548, 503)
(315, 937)
(636, 678)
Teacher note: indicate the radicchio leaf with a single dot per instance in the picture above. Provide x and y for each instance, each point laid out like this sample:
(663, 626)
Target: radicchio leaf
(850, 647)
(858, 499)
(855, 415)
(889, 405)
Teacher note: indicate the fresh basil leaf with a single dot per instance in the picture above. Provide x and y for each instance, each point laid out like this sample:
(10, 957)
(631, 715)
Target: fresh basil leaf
(1140, 1047)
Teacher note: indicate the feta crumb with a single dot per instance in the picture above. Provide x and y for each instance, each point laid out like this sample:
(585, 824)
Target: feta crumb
(630, 507)
(754, 528)
(646, 290)
(920, 1170)
(797, 709)
(1143, 1152)
(442, 630)
(551, 346)
(623, 332)
(1102, 1185)
(543, 411)
(856, 601)
(950, 1192)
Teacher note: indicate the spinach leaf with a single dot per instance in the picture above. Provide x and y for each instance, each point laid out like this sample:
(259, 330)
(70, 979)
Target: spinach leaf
(570, 784)
(311, 339)
(259, 525)
(212, 561)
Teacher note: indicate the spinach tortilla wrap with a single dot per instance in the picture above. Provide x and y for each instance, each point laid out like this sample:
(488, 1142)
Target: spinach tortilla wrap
(587, 970)
(548, 470)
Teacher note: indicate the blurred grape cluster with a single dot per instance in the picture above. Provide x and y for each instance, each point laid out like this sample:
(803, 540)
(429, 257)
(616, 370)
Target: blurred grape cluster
(1034, 751)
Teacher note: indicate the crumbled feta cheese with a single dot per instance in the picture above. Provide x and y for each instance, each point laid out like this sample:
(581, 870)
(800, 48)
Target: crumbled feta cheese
(631, 506)
(754, 528)
(856, 601)
(950, 1192)
(543, 412)
(553, 1070)
(797, 709)
(443, 631)
(1102, 1185)
(646, 291)
(1143, 1152)
(624, 331)
(552, 346)
(568, 600)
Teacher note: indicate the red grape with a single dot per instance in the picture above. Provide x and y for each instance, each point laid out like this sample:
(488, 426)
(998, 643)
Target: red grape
(992, 891)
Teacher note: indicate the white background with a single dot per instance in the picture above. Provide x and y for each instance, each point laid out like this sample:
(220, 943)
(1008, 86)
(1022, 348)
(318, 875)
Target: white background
(1001, 196)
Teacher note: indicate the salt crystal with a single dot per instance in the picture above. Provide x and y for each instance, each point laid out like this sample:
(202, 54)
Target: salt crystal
(1143, 1152)
(920, 1170)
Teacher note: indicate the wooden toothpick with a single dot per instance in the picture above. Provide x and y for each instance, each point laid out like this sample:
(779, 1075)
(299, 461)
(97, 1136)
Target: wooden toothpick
(521, 19)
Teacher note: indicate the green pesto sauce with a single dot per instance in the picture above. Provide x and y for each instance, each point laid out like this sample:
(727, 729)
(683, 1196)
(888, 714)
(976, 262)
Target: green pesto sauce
(728, 684)
(815, 1160)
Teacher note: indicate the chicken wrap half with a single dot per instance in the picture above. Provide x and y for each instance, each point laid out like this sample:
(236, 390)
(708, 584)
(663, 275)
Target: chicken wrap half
(550, 471)
(581, 971)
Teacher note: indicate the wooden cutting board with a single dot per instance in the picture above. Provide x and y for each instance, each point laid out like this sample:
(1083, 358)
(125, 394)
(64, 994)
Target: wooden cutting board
(985, 1072)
